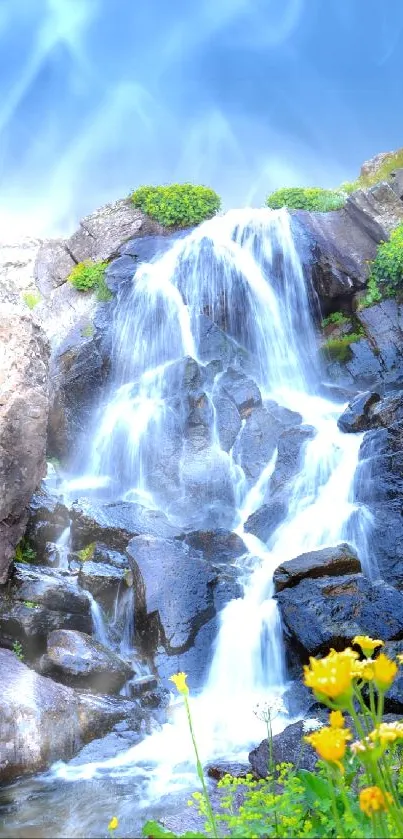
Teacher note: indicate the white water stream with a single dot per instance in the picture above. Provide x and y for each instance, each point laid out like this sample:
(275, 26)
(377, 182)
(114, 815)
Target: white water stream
(243, 271)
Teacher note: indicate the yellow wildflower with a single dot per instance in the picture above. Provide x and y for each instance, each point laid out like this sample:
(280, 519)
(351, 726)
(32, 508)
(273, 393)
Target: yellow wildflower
(179, 681)
(367, 644)
(372, 800)
(336, 719)
(330, 743)
(387, 732)
(331, 677)
(384, 672)
(400, 658)
(363, 670)
(113, 824)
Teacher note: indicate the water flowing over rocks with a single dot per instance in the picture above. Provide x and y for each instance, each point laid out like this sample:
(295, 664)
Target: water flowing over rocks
(115, 524)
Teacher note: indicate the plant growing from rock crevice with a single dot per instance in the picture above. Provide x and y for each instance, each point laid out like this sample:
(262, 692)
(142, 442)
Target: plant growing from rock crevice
(90, 276)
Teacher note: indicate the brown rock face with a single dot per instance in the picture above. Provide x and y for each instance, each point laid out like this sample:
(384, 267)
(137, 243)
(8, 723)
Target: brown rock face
(24, 356)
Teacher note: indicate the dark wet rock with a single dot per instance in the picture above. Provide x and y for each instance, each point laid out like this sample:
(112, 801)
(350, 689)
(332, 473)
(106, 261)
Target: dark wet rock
(48, 518)
(114, 524)
(77, 660)
(173, 591)
(242, 390)
(103, 581)
(330, 611)
(157, 699)
(327, 562)
(196, 661)
(39, 601)
(357, 416)
(228, 420)
(46, 721)
(257, 441)
(266, 519)
(105, 748)
(147, 248)
(290, 451)
(376, 361)
(394, 696)
(288, 747)
(143, 684)
(298, 699)
(200, 422)
(388, 411)
(215, 344)
(219, 547)
(284, 415)
(120, 271)
(24, 403)
(208, 499)
(79, 371)
(378, 484)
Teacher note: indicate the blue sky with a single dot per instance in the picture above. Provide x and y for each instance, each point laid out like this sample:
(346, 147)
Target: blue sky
(99, 96)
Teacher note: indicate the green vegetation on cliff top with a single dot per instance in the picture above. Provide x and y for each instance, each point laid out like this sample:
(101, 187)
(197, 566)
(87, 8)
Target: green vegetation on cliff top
(177, 205)
(306, 198)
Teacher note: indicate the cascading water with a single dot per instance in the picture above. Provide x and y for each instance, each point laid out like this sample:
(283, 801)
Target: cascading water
(242, 272)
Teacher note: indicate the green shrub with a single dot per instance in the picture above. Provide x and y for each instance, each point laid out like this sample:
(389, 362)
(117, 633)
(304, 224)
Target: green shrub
(18, 651)
(306, 198)
(339, 348)
(24, 553)
(372, 296)
(177, 205)
(90, 276)
(335, 319)
(31, 299)
(87, 553)
(387, 267)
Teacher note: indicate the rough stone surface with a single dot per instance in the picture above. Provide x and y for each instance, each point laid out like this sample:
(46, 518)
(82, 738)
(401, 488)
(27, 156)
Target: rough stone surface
(257, 442)
(290, 449)
(328, 562)
(330, 611)
(77, 660)
(219, 547)
(42, 721)
(266, 519)
(116, 523)
(24, 406)
(173, 589)
(48, 518)
(288, 747)
(103, 581)
(357, 416)
(243, 391)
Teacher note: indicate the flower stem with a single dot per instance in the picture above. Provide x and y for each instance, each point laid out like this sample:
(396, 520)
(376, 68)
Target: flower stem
(200, 773)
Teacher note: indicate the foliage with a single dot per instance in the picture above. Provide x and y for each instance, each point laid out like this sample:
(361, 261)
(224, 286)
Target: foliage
(356, 789)
(31, 299)
(87, 553)
(372, 295)
(24, 553)
(339, 348)
(88, 331)
(90, 276)
(335, 319)
(387, 267)
(392, 162)
(30, 604)
(18, 651)
(306, 198)
(177, 205)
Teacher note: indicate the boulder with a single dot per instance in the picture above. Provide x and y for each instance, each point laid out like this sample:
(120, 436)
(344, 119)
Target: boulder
(288, 747)
(77, 660)
(48, 518)
(290, 453)
(394, 696)
(103, 581)
(39, 601)
(173, 591)
(264, 521)
(242, 390)
(115, 523)
(24, 406)
(327, 562)
(47, 721)
(357, 416)
(257, 442)
(376, 210)
(219, 547)
(228, 420)
(329, 611)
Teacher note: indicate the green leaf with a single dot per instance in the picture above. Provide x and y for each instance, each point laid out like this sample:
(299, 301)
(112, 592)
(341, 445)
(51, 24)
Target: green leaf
(315, 787)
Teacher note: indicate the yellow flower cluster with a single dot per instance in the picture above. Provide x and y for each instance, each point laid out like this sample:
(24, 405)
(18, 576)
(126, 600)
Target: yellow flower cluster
(330, 743)
(367, 644)
(179, 681)
(331, 678)
(373, 800)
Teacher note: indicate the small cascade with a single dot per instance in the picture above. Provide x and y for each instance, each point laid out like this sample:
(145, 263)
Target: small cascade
(63, 548)
(99, 626)
(241, 273)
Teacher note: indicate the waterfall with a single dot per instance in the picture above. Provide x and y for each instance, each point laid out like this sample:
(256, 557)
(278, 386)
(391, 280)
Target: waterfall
(241, 272)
